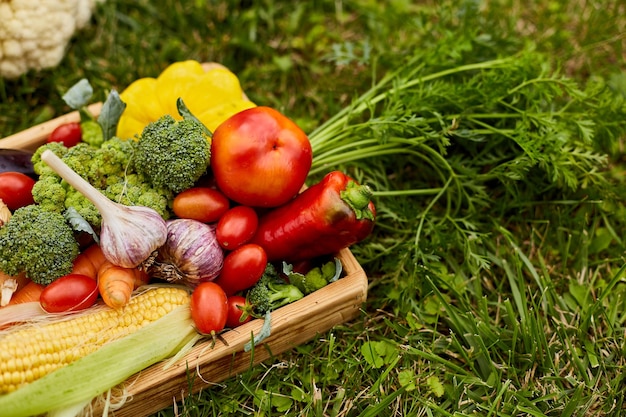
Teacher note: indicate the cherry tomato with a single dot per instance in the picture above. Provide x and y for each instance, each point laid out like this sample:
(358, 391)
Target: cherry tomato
(69, 134)
(209, 308)
(204, 204)
(16, 189)
(71, 292)
(242, 268)
(260, 158)
(236, 227)
(237, 314)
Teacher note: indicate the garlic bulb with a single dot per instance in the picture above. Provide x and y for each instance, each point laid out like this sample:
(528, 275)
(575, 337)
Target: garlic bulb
(190, 254)
(129, 234)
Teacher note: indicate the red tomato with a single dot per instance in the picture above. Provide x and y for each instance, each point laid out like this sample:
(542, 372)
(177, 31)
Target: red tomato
(69, 134)
(242, 268)
(71, 292)
(237, 314)
(204, 204)
(16, 189)
(236, 227)
(260, 158)
(209, 308)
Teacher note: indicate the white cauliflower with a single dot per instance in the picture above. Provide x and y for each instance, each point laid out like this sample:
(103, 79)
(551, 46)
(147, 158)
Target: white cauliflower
(34, 33)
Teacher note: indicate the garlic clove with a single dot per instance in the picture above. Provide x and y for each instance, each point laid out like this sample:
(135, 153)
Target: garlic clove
(128, 240)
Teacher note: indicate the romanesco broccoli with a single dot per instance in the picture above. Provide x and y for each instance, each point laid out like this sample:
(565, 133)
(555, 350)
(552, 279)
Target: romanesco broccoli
(109, 168)
(41, 167)
(49, 192)
(173, 154)
(79, 157)
(110, 163)
(84, 207)
(134, 190)
(39, 243)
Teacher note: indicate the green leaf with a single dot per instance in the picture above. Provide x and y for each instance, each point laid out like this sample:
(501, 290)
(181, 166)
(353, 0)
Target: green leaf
(601, 240)
(371, 356)
(407, 379)
(281, 403)
(184, 111)
(274, 400)
(284, 63)
(586, 128)
(264, 333)
(435, 385)
(298, 394)
(581, 293)
(592, 357)
(79, 94)
(379, 353)
(79, 224)
(110, 114)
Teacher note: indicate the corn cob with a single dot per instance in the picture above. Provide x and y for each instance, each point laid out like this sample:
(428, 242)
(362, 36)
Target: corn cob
(30, 352)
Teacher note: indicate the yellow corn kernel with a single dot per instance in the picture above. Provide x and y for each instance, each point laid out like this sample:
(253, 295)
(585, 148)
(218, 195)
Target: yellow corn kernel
(29, 352)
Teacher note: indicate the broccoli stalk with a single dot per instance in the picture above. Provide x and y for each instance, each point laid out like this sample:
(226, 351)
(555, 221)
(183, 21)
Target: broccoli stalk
(271, 292)
(39, 243)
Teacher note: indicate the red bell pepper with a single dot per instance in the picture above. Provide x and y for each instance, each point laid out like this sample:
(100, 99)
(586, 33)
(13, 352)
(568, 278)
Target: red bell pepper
(325, 218)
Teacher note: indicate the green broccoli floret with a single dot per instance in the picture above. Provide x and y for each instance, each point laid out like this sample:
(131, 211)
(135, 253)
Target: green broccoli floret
(39, 243)
(92, 133)
(80, 158)
(135, 191)
(84, 207)
(173, 154)
(110, 169)
(112, 161)
(53, 194)
(50, 192)
(40, 167)
(315, 279)
(271, 292)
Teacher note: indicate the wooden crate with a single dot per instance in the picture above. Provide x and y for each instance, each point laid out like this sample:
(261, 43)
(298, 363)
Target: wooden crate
(156, 388)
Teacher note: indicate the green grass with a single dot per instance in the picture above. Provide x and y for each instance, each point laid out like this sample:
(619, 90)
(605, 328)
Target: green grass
(534, 325)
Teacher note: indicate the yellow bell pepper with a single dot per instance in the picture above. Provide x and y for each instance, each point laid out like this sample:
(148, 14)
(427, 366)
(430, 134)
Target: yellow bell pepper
(212, 93)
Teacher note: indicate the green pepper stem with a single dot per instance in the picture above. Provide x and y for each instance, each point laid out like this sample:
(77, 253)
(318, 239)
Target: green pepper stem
(358, 197)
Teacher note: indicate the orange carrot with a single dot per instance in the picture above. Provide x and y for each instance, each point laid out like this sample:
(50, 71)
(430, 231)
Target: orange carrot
(9, 284)
(29, 292)
(117, 283)
(89, 261)
(141, 278)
